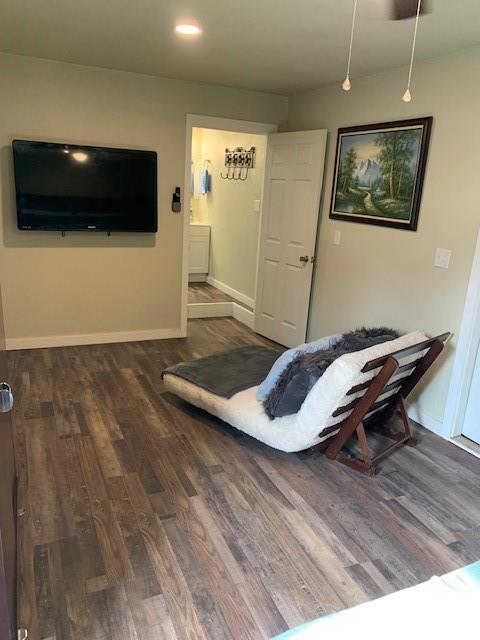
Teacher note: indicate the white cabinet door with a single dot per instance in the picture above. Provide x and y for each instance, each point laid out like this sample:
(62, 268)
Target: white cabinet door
(199, 249)
(293, 184)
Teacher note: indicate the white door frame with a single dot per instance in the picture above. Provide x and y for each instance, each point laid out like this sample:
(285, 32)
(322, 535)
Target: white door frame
(466, 354)
(221, 124)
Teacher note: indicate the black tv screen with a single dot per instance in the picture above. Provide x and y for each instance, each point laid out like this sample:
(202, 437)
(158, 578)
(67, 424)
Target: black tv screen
(66, 187)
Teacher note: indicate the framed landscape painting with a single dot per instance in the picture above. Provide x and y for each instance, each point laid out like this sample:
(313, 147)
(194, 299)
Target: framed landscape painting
(379, 170)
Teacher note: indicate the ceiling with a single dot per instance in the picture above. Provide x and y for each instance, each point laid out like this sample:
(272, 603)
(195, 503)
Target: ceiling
(280, 46)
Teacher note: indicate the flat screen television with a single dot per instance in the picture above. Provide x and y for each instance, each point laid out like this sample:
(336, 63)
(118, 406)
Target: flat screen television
(65, 187)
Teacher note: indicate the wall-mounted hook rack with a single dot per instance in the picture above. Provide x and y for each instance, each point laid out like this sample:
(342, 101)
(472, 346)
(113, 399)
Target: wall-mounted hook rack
(238, 162)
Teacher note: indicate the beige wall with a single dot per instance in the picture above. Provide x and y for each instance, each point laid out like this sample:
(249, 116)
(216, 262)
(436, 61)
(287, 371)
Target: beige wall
(386, 276)
(229, 208)
(88, 283)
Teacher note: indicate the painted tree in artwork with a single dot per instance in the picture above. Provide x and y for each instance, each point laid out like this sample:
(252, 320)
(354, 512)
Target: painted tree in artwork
(404, 181)
(396, 150)
(347, 170)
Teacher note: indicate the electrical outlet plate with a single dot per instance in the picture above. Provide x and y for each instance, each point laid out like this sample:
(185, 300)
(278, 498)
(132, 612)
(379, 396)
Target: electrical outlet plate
(337, 236)
(442, 258)
(256, 206)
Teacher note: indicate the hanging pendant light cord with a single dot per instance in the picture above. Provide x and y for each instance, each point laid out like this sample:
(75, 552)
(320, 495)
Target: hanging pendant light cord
(351, 36)
(414, 43)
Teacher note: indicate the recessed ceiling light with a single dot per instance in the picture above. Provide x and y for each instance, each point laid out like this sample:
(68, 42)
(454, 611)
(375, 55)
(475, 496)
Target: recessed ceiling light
(80, 156)
(188, 29)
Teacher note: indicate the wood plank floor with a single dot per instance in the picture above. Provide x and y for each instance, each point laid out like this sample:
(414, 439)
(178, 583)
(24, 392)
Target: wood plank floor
(148, 519)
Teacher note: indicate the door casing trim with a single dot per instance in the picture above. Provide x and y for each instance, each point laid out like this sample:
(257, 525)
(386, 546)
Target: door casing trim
(466, 354)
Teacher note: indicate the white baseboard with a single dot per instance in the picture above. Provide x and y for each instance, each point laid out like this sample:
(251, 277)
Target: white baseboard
(14, 344)
(197, 277)
(245, 316)
(210, 309)
(233, 293)
(221, 309)
(432, 424)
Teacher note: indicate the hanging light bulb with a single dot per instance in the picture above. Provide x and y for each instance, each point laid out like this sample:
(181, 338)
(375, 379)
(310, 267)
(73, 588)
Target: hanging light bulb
(346, 84)
(407, 96)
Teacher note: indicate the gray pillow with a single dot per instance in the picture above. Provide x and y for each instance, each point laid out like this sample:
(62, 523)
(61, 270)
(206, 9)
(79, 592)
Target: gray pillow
(305, 370)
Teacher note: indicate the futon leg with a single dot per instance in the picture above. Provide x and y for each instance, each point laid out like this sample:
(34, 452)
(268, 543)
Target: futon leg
(368, 469)
(366, 465)
(405, 436)
(371, 402)
(411, 441)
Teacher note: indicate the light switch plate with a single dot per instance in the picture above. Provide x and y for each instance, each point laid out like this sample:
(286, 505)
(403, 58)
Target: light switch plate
(256, 206)
(337, 236)
(442, 258)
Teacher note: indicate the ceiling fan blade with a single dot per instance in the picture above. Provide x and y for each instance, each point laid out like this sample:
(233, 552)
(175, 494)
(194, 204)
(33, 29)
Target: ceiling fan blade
(403, 9)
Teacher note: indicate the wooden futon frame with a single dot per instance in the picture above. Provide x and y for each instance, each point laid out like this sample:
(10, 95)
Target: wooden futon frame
(363, 405)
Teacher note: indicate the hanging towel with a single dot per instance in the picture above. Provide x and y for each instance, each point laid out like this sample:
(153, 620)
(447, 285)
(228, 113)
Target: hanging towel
(205, 182)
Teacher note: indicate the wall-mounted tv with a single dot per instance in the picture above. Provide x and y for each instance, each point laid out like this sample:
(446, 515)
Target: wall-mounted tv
(65, 187)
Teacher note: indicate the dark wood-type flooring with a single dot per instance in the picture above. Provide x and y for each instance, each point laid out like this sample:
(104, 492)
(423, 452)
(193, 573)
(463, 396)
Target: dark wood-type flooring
(204, 292)
(148, 519)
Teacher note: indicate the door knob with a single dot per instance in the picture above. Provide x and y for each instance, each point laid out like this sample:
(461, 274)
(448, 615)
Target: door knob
(6, 398)
(303, 258)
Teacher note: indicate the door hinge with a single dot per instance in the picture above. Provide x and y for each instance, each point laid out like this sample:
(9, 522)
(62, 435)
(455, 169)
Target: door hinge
(22, 634)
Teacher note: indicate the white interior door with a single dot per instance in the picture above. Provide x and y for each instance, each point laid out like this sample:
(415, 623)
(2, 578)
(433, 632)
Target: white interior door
(471, 425)
(291, 201)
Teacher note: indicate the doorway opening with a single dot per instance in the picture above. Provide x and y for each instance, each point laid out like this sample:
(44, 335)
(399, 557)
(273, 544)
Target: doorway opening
(225, 201)
(281, 236)
(223, 198)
